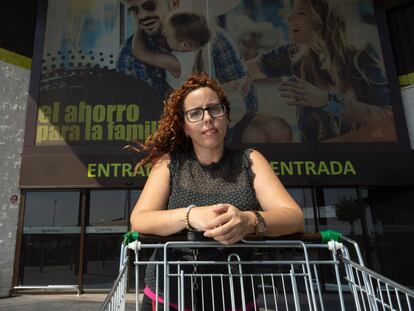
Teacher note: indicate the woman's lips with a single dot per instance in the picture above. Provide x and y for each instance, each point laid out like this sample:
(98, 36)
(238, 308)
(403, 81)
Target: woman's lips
(209, 132)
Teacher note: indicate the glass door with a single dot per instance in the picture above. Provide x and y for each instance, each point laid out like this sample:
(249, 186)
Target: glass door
(51, 237)
(107, 220)
(340, 209)
(305, 199)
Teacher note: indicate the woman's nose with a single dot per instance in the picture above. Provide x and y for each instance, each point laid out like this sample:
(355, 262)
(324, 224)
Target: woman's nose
(207, 117)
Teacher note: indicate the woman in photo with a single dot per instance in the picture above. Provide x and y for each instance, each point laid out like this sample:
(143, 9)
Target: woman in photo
(199, 185)
(336, 87)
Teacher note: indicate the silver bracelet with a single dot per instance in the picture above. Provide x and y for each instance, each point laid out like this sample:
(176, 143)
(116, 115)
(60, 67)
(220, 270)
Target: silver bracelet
(187, 218)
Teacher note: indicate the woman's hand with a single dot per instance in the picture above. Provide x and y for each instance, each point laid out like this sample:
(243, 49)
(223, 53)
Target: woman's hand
(201, 216)
(301, 92)
(231, 224)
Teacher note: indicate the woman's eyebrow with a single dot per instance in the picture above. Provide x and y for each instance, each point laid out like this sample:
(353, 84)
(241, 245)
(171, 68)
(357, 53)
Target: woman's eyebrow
(206, 106)
(302, 9)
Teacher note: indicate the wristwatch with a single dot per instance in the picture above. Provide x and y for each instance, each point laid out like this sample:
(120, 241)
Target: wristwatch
(335, 104)
(260, 224)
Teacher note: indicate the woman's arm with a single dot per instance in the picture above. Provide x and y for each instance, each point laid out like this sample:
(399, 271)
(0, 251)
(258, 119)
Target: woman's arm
(161, 60)
(280, 212)
(301, 92)
(150, 215)
(364, 113)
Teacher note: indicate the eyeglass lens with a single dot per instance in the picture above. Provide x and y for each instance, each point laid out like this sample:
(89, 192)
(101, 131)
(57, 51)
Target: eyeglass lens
(195, 115)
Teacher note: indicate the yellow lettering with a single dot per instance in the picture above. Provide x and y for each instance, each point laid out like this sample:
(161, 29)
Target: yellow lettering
(132, 113)
(55, 115)
(127, 170)
(97, 132)
(99, 113)
(349, 168)
(275, 166)
(119, 112)
(42, 133)
(71, 114)
(310, 167)
(298, 166)
(323, 168)
(119, 132)
(103, 170)
(286, 168)
(91, 170)
(44, 114)
(110, 109)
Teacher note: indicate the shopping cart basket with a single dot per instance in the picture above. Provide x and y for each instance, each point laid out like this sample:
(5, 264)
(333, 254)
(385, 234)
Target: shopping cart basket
(311, 271)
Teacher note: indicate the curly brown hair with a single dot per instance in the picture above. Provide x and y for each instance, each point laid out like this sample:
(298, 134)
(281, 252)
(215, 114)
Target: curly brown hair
(170, 135)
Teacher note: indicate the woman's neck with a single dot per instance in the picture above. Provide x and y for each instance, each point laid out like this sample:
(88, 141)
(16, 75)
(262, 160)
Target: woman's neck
(208, 156)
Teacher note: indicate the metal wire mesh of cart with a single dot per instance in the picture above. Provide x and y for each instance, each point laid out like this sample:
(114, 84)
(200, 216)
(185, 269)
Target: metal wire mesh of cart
(371, 290)
(116, 298)
(259, 275)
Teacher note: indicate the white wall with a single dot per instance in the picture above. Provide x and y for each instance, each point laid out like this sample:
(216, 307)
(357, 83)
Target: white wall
(14, 84)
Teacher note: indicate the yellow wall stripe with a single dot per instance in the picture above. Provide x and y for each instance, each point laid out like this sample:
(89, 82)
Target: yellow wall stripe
(407, 79)
(15, 59)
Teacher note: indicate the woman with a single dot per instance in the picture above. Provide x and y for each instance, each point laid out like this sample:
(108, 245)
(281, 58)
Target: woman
(336, 87)
(198, 184)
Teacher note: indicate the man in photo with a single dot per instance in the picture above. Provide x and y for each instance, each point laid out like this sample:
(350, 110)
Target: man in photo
(150, 16)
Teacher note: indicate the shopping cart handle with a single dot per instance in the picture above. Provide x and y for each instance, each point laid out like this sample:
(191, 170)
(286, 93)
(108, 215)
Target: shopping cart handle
(318, 237)
(322, 236)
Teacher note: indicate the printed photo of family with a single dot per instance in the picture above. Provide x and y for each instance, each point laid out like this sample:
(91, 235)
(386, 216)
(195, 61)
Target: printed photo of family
(295, 71)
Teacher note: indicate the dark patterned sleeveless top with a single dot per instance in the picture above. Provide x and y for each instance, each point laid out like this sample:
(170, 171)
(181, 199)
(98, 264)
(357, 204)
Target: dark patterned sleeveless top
(228, 181)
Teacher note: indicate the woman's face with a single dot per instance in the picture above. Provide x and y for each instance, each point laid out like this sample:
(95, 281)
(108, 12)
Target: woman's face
(208, 133)
(301, 23)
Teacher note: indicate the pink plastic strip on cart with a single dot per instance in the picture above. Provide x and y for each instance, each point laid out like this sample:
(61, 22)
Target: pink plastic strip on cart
(150, 294)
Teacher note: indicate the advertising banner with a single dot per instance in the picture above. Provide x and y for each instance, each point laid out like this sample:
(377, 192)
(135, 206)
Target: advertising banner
(307, 80)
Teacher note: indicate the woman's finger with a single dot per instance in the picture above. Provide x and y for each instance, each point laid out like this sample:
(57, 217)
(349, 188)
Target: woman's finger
(218, 221)
(227, 238)
(221, 208)
(299, 80)
(221, 230)
(289, 89)
(287, 95)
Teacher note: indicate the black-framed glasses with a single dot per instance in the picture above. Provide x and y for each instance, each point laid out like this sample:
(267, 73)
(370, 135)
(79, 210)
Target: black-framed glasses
(148, 6)
(197, 114)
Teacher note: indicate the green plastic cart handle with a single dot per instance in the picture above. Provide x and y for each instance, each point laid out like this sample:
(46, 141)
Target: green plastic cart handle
(328, 235)
(130, 237)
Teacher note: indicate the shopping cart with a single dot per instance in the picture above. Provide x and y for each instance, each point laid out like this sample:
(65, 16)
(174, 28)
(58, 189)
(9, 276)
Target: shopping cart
(311, 271)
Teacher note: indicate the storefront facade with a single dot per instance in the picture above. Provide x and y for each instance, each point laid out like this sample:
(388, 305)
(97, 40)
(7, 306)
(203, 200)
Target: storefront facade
(77, 181)
(72, 237)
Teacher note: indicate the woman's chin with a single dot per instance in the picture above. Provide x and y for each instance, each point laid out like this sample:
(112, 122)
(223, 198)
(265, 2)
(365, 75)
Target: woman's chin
(299, 40)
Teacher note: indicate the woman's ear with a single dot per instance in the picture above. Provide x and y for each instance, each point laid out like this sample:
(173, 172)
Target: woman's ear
(185, 130)
(186, 45)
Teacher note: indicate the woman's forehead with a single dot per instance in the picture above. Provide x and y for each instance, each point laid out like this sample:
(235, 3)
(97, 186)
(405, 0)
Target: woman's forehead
(201, 96)
(303, 4)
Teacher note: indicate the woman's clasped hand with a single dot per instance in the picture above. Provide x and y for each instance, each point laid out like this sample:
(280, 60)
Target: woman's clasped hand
(222, 222)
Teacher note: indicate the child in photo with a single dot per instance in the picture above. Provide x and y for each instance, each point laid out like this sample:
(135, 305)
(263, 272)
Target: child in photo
(185, 33)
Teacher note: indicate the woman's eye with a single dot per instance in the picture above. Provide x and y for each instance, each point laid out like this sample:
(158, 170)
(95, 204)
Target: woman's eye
(195, 113)
(215, 109)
